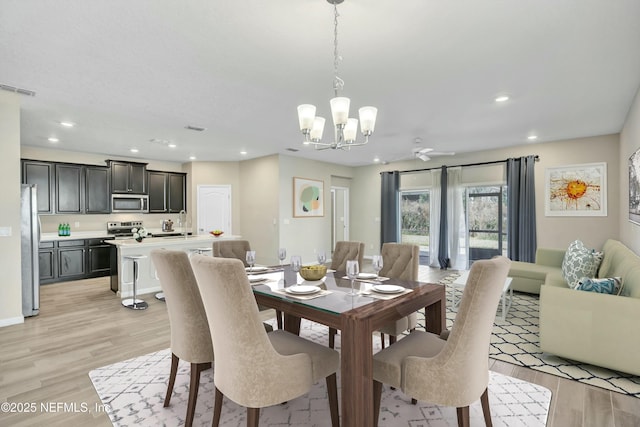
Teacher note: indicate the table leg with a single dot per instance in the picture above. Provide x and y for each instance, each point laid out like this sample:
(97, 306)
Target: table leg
(356, 373)
(292, 323)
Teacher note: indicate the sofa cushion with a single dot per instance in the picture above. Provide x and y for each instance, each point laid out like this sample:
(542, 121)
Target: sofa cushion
(579, 261)
(609, 285)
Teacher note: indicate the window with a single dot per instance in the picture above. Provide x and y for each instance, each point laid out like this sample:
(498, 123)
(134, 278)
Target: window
(414, 225)
(486, 209)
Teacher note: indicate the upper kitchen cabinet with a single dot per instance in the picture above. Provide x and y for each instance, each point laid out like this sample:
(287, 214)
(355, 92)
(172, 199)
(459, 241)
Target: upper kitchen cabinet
(128, 177)
(97, 190)
(167, 192)
(69, 188)
(42, 174)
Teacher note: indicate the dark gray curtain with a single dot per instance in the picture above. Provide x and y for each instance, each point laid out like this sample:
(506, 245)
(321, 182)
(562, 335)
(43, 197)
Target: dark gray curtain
(521, 209)
(443, 247)
(390, 207)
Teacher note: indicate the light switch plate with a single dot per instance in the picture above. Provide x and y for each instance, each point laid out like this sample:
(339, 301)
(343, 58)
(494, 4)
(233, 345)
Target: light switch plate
(5, 231)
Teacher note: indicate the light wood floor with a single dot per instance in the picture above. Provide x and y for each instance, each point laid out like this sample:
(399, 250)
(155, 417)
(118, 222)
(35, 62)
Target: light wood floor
(82, 326)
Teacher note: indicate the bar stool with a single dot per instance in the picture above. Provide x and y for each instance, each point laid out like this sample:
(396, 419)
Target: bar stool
(135, 303)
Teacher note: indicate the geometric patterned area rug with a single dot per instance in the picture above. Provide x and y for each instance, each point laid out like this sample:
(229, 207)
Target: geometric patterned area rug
(133, 393)
(516, 340)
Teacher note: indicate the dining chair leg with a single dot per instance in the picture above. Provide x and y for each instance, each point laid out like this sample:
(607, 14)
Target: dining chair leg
(332, 337)
(392, 339)
(279, 319)
(172, 378)
(332, 391)
(253, 416)
(194, 384)
(484, 399)
(377, 397)
(414, 401)
(463, 416)
(382, 340)
(217, 407)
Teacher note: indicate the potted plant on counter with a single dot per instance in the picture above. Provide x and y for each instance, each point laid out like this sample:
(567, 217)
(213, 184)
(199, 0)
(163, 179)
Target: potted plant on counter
(139, 234)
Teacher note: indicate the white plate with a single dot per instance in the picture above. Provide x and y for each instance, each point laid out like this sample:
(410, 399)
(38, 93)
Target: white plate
(388, 289)
(367, 276)
(253, 279)
(256, 268)
(302, 289)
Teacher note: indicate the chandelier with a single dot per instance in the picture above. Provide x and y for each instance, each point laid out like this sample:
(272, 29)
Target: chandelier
(346, 129)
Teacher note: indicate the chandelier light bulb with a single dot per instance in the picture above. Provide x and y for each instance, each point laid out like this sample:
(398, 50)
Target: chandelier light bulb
(340, 110)
(318, 129)
(306, 114)
(351, 130)
(368, 119)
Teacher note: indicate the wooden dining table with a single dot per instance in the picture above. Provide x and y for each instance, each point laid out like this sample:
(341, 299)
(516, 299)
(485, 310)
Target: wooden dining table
(357, 318)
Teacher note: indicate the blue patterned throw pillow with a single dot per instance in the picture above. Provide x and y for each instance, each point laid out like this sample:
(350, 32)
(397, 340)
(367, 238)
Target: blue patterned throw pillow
(609, 285)
(579, 261)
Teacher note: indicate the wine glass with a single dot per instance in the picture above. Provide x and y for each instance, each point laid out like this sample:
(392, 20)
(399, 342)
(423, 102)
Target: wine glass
(282, 255)
(377, 264)
(251, 259)
(352, 273)
(322, 257)
(296, 264)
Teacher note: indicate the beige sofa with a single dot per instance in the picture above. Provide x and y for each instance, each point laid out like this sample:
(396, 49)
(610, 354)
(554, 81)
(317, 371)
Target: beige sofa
(589, 327)
(528, 277)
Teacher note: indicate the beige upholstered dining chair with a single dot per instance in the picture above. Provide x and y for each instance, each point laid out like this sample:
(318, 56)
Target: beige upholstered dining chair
(238, 249)
(232, 249)
(454, 372)
(345, 251)
(255, 369)
(190, 336)
(400, 261)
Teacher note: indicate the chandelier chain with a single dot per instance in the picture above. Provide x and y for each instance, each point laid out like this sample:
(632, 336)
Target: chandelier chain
(338, 83)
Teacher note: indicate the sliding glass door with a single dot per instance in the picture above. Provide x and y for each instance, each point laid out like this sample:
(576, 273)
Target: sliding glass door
(486, 208)
(414, 217)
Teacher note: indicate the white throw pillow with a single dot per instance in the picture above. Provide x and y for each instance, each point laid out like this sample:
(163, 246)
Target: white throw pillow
(579, 261)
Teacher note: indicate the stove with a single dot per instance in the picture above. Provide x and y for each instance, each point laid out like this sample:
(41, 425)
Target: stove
(122, 229)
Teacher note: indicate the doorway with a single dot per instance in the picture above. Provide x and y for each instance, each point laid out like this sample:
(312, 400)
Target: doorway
(214, 208)
(339, 215)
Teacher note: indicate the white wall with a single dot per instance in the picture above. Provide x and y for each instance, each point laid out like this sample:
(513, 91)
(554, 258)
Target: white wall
(629, 143)
(11, 285)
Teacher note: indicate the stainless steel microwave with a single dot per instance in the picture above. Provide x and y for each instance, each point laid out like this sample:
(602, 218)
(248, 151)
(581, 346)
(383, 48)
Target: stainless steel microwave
(129, 203)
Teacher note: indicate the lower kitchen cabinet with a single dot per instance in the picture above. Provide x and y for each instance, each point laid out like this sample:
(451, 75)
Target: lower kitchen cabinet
(73, 260)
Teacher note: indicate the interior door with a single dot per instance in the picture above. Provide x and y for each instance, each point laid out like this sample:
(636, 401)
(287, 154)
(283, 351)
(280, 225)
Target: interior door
(214, 208)
(339, 214)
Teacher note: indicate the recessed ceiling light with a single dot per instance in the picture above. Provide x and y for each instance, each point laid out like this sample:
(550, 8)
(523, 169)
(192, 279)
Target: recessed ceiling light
(532, 137)
(192, 157)
(134, 150)
(172, 145)
(52, 139)
(67, 124)
(243, 152)
(502, 98)
(376, 159)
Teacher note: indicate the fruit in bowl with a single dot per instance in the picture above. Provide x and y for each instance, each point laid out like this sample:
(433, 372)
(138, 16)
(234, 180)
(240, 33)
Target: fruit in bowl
(217, 233)
(313, 272)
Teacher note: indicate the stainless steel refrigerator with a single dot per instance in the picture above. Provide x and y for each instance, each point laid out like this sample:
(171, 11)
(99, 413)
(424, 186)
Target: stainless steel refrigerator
(30, 232)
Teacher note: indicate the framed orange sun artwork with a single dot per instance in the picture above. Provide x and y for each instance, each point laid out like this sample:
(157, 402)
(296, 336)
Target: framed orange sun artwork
(576, 190)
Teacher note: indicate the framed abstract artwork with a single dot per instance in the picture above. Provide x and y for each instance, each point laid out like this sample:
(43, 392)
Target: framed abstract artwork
(576, 190)
(308, 197)
(634, 187)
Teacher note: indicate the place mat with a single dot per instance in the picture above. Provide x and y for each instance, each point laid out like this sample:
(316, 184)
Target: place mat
(379, 279)
(379, 295)
(302, 297)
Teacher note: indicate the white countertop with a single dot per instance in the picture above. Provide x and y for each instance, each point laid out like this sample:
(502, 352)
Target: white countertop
(96, 234)
(173, 240)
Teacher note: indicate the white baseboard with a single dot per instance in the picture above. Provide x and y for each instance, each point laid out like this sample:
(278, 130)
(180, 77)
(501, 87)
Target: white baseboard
(11, 321)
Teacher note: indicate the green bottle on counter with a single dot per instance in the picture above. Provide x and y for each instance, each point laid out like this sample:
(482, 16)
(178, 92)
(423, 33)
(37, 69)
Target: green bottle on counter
(59, 229)
(68, 230)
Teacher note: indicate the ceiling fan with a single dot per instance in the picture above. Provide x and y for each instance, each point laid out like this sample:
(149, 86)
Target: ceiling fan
(425, 154)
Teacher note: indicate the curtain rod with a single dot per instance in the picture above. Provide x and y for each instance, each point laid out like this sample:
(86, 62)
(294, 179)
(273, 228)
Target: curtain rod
(537, 158)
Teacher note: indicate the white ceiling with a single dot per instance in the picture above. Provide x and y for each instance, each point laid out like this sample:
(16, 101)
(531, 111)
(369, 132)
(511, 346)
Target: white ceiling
(128, 71)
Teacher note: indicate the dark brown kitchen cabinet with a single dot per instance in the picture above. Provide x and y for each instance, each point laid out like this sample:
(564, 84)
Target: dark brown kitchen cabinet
(41, 174)
(69, 188)
(47, 262)
(167, 191)
(157, 191)
(128, 177)
(177, 195)
(72, 261)
(97, 196)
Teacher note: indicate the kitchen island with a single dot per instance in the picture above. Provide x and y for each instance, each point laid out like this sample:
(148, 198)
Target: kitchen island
(122, 270)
